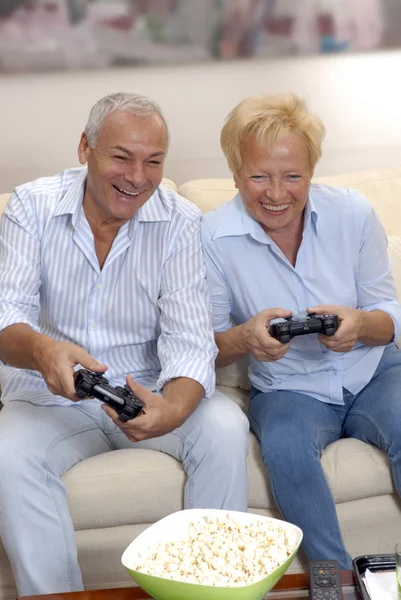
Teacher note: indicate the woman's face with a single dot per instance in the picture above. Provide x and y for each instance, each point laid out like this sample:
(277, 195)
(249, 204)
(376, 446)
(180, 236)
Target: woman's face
(274, 183)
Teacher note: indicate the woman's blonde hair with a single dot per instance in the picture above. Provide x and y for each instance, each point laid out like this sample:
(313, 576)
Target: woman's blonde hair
(270, 119)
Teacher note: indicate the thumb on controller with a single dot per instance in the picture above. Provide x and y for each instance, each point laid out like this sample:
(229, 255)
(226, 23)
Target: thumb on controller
(141, 392)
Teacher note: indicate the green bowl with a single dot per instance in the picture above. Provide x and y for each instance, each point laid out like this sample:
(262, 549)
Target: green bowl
(174, 527)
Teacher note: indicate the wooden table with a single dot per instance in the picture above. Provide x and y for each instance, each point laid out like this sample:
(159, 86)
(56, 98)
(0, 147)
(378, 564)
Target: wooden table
(290, 587)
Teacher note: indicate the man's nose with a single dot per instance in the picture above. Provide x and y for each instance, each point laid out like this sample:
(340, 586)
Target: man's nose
(135, 174)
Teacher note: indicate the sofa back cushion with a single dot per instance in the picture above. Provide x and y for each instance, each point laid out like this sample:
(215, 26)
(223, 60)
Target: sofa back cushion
(383, 190)
(3, 201)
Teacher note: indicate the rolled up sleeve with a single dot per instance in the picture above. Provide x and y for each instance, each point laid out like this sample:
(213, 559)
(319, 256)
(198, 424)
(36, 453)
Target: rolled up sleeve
(19, 265)
(375, 285)
(186, 346)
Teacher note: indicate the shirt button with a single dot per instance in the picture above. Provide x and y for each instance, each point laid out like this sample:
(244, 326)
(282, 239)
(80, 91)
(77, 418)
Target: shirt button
(95, 326)
(98, 285)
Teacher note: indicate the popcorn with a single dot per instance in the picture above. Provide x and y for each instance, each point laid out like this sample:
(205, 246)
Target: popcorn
(220, 552)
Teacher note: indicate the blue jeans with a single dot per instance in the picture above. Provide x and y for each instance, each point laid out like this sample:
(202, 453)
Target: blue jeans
(38, 444)
(294, 428)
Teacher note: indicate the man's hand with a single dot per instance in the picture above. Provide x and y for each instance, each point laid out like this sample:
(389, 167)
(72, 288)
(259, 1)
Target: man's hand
(257, 338)
(56, 360)
(158, 416)
(349, 331)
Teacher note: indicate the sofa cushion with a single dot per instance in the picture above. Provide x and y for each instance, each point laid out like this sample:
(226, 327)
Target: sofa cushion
(147, 485)
(382, 187)
(141, 478)
(208, 193)
(169, 183)
(234, 375)
(353, 469)
(3, 201)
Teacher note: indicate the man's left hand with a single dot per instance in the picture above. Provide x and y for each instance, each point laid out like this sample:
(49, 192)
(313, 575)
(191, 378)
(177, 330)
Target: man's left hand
(157, 418)
(350, 326)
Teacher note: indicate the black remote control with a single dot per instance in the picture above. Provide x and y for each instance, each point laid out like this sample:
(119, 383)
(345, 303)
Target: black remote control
(122, 399)
(324, 580)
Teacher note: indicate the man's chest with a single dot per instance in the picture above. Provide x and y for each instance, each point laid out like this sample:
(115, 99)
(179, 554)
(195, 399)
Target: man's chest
(121, 296)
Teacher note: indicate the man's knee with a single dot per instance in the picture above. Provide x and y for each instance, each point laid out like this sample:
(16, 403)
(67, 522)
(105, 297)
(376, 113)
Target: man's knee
(15, 458)
(222, 424)
(27, 432)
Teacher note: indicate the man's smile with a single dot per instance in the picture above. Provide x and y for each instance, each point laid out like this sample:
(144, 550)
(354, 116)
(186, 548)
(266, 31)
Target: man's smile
(124, 193)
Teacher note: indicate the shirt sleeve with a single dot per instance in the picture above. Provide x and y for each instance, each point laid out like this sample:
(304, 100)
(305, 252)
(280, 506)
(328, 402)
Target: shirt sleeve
(375, 285)
(186, 346)
(218, 286)
(19, 264)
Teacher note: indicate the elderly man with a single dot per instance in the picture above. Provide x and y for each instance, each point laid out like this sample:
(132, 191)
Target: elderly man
(282, 242)
(102, 267)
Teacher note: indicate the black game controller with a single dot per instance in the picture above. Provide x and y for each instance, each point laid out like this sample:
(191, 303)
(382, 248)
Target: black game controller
(121, 399)
(286, 330)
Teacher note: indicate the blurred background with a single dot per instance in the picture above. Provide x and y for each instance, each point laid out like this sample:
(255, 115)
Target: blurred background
(74, 34)
(197, 58)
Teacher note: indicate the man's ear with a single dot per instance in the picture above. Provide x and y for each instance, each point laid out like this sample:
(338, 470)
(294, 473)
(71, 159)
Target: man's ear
(235, 177)
(83, 149)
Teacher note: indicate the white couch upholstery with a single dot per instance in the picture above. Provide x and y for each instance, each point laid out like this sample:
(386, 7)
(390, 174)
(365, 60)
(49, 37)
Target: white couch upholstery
(114, 496)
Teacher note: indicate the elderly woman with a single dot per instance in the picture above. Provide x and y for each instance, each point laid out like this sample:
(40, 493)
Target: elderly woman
(301, 247)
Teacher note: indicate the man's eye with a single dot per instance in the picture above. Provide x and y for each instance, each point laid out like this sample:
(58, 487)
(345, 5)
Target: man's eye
(259, 177)
(118, 157)
(293, 177)
(154, 162)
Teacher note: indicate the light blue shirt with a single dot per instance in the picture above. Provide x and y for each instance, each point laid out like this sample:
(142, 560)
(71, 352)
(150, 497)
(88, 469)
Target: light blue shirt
(146, 312)
(342, 260)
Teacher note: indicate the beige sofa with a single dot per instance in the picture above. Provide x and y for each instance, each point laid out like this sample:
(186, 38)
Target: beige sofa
(114, 496)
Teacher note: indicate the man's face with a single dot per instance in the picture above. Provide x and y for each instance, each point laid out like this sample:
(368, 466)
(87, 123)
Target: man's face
(125, 166)
(274, 184)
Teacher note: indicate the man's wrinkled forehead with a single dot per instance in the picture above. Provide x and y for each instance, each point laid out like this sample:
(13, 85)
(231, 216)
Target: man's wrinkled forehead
(124, 128)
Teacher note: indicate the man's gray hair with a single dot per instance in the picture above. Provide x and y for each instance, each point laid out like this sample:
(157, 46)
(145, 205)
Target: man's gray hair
(141, 106)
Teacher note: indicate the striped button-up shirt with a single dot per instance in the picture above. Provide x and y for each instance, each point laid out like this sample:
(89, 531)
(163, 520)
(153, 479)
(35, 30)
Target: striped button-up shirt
(146, 312)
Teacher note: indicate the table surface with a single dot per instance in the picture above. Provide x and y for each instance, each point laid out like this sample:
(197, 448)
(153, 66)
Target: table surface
(290, 587)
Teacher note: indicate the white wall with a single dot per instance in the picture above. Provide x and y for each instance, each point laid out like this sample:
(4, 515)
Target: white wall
(358, 97)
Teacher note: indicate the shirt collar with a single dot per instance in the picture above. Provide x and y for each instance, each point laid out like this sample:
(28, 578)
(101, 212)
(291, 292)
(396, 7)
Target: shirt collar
(71, 202)
(311, 214)
(155, 209)
(238, 221)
